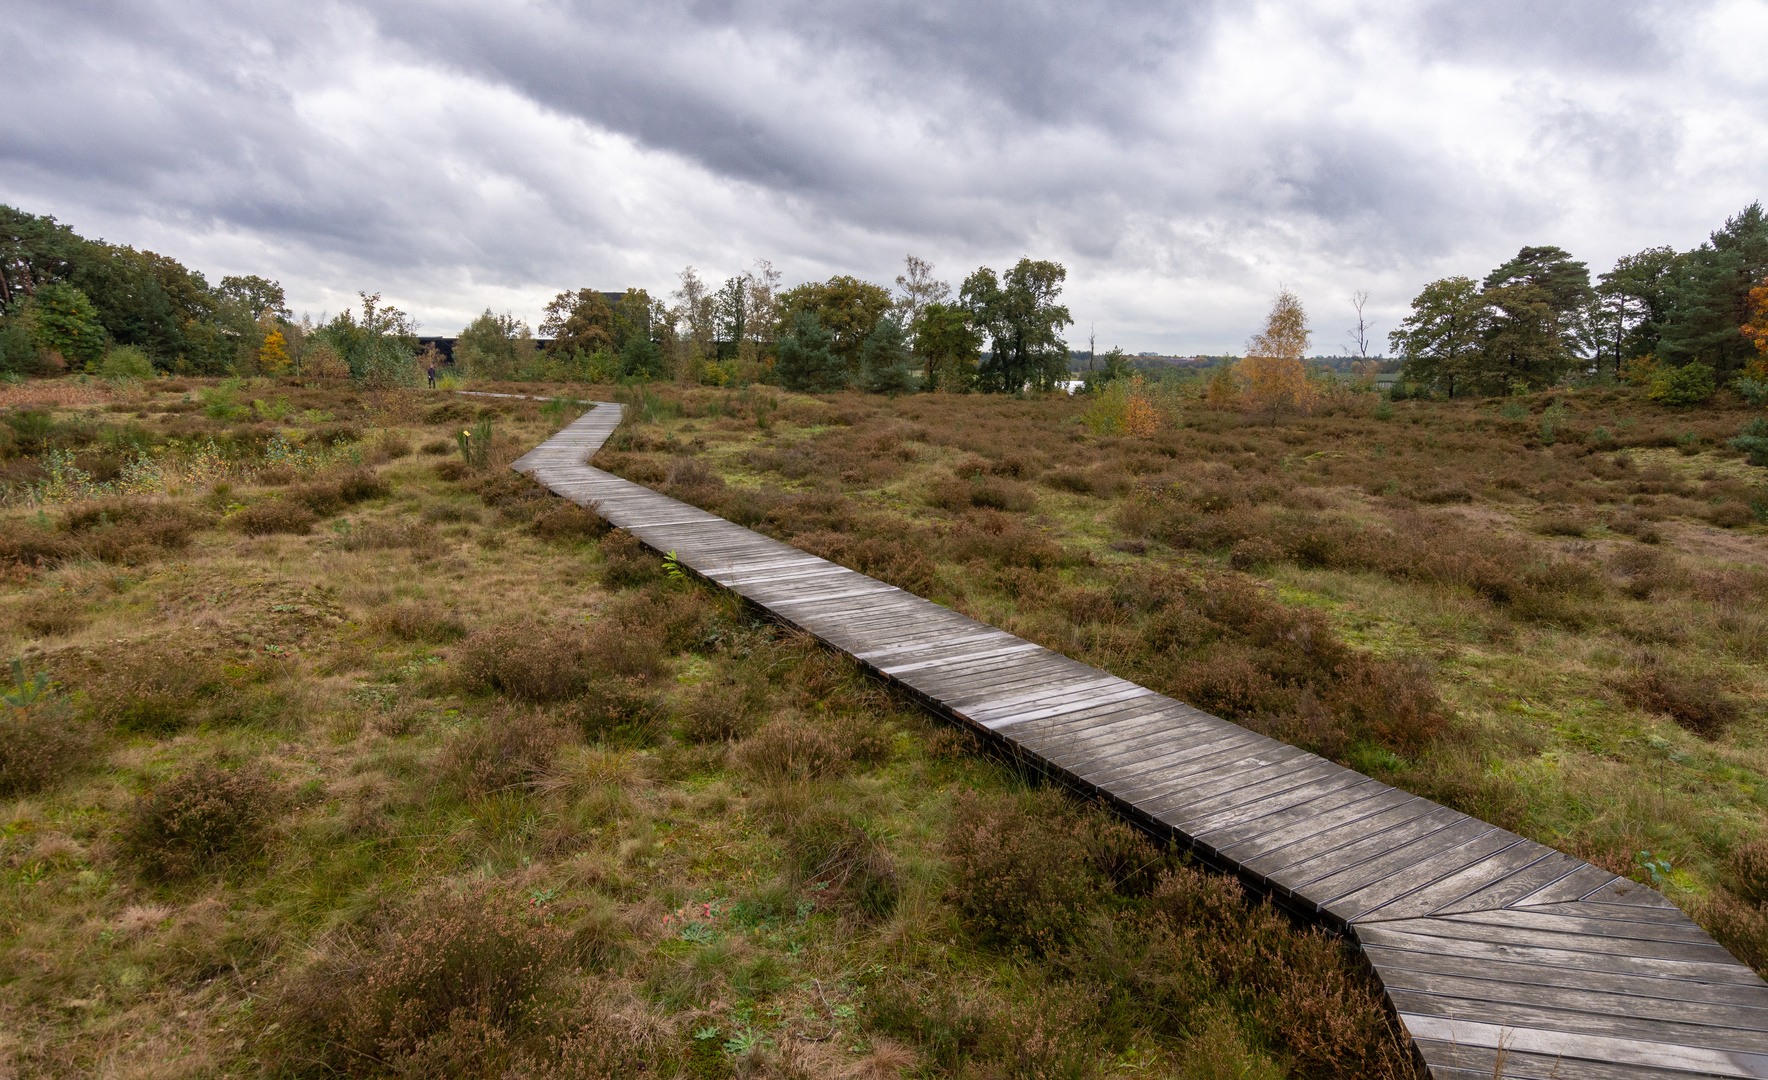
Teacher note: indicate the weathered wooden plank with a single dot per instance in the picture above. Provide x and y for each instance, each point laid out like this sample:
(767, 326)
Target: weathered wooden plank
(1459, 884)
(1425, 935)
(1749, 1020)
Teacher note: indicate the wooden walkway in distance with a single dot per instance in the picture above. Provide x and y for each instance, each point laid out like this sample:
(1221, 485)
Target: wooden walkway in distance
(1491, 948)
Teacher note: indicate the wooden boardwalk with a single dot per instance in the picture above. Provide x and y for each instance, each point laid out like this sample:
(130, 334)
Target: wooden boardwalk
(1491, 948)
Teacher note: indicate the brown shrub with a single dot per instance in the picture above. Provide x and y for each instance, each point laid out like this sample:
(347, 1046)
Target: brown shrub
(276, 515)
(539, 662)
(960, 493)
(1002, 540)
(419, 620)
(1694, 701)
(626, 562)
(199, 820)
(510, 749)
(716, 712)
(451, 989)
(129, 530)
(39, 744)
(787, 750)
(326, 498)
(831, 852)
(1026, 871)
(52, 615)
(448, 512)
(614, 706)
(393, 445)
(437, 447)
(1739, 926)
(152, 687)
(567, 521)
(1746, 871)
(450, 470)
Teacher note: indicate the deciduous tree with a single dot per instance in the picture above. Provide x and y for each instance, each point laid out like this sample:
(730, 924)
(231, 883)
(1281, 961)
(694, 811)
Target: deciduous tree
(1441, 341)
(1274, 373)
(948, 346)
(1024, 323)
(579, 323)
(916, 288)
(846, 307)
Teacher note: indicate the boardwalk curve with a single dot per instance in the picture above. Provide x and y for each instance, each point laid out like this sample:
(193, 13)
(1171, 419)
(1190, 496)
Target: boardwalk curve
(1500, 955)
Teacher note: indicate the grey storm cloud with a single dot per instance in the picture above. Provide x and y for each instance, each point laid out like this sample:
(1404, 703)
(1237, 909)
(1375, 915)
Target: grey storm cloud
(1181, 159)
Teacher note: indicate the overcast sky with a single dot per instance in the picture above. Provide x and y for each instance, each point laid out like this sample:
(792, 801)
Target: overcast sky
(1182, 160)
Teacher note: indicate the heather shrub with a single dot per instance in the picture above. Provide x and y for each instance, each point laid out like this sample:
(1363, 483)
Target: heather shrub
(52, 616)
(626, 562)
(509, 750)
(720, 711)
(276, 515)
(539, 662)
(198, 820)
(896, 561)
(40, 740)
(615, 706)
(454, 987)
(1003, 541)
(128, 530)
(1746, 871)
(419, 620)
(1023, 875)
(566, 522)
(151, 687)
(791, 749)
(1694, 701)
(845, 864)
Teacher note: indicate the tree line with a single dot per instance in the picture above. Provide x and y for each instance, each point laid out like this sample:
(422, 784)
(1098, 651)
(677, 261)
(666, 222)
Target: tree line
(1000, 332)
(1680, 324)
(68, 303)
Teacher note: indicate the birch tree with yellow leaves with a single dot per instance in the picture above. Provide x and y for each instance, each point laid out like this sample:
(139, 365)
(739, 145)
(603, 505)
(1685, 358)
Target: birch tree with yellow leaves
(1274, 374)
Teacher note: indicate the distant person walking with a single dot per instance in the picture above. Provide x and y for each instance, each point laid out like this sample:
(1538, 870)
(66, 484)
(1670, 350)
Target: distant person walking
(432, 374)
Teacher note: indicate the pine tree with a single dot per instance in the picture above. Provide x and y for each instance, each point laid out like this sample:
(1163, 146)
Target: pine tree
(807, 358)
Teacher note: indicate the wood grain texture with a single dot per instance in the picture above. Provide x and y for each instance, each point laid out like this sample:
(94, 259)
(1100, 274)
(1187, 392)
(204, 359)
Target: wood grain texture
(1500, 956)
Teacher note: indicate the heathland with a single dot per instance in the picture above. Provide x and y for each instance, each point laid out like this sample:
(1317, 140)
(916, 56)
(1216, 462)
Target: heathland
(334, 747)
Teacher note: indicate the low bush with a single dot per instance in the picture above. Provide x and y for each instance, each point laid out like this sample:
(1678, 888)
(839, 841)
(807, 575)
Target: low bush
(626, 562)
(199, 820)
(125, 530)
(152, 687)
(419, 620)
(275, 515)
(1022, 871)
(615, 707)
(509, 750)
(40, 742)
(566, 522)
(833, 856)
(52, 616)
(899, 561)
(791, 750)
(460, 985)
(539, 662)
(720, 711)
(1694, 701)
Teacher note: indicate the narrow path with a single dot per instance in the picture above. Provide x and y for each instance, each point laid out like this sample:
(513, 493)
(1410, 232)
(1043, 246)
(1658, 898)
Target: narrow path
(1500, 955)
